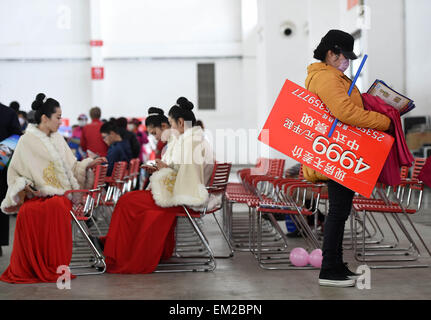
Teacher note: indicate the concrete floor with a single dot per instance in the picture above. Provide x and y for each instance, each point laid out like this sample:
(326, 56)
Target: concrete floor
(238, 278)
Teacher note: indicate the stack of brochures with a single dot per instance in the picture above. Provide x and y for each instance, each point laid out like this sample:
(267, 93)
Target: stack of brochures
(391, 97)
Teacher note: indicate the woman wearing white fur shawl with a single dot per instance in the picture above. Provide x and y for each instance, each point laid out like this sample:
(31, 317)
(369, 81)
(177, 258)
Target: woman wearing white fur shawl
(143, 222)
(42, 169)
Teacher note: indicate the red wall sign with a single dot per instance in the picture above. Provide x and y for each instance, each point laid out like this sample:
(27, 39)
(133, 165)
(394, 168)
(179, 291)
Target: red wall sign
(96, 43)
(351, 4)
(298, 126)
(97, 73)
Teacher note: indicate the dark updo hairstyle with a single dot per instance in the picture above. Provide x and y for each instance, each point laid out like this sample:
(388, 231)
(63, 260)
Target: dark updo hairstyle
(42, 107)
(14, 105)
(156, 117)
(183, 109)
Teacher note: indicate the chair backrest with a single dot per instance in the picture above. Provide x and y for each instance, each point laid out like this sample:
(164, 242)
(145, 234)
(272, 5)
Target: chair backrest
(276, 167)
(119, 170)
(134, 167)
(219, 177)
(404, 172)
(301, 173)
(417, 167)
(100, 176)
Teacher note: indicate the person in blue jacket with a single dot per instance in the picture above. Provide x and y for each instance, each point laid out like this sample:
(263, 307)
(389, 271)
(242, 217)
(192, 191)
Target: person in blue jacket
(119, 148)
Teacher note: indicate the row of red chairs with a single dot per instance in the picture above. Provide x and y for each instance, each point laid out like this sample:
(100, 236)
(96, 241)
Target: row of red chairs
(266, 192)
(394, 202)
(85, 202)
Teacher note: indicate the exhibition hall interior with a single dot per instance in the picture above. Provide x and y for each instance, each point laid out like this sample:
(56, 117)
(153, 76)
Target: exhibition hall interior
(215, 150)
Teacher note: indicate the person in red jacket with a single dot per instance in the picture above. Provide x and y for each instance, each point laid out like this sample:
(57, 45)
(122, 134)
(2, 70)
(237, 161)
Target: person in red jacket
(91, 139)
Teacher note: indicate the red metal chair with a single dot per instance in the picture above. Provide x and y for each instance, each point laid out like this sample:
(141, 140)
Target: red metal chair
(131, 176)
(390, 205)
(84, 202)
(286, 197)
(115, 183)
(216, 187)
(243, 193)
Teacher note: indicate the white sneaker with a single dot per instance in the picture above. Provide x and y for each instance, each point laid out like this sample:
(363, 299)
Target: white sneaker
(337, 283)
(335, 280)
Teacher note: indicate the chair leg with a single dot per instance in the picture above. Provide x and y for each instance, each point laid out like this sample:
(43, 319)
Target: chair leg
(210, 264)
(226, 238)
(99, 263)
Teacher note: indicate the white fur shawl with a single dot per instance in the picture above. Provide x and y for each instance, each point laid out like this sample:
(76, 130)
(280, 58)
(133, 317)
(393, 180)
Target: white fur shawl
(45, 162)
(183, 182)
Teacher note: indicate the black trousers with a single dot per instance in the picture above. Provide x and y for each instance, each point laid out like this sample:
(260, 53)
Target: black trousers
(4, 219)
(340, 204)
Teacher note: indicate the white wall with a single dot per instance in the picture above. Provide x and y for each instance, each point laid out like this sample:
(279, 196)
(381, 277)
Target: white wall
(44, 29)
(134, 33)
(44, 48)
(67, 82)
(322, 17)
(133, 86)
(280, 57)
(418, 48)
(385, 44)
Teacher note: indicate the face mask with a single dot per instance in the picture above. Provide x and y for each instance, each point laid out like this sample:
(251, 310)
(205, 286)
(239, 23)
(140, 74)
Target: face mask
(344, 65)
(21, 121)
(82, 123)
(130, 127)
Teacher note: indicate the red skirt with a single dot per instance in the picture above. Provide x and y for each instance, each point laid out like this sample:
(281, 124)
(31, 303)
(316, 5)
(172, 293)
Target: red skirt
(42, 241)
(140, 234)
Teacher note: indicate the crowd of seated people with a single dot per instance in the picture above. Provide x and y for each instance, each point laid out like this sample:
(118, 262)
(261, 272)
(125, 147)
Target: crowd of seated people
(144, 218)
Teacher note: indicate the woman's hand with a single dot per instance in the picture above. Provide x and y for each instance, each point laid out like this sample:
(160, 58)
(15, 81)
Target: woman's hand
(160, 164)
(29, 189)
(21, 197)
(149, 169)
(96, 162)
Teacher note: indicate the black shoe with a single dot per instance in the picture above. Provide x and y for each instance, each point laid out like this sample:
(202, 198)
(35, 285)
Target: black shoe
(344, 269)
(89, 223)
(294, 234)
(331, 278)
(97, 243)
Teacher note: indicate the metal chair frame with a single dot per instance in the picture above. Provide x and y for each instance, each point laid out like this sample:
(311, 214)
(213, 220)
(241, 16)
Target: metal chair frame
(83, 204)
(391, 205)
(216, 185)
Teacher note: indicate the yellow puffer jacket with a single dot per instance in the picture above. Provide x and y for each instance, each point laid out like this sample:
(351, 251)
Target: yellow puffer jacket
(331, 85)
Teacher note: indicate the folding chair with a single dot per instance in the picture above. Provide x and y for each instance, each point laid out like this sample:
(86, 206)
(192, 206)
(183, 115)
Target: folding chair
(135, 173)
(237, 228)
(131, 176)
(216, 186)
(115, 184)
(83, 204)
(389, 205)
(288, 197)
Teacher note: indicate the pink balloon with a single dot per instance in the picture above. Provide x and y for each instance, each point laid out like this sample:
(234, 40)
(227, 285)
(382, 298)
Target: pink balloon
(315, 258)
(299, 257)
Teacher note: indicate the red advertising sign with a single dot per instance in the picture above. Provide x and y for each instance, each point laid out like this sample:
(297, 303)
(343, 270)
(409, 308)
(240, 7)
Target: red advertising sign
(97, 73)
(298, 126)
(351, 4)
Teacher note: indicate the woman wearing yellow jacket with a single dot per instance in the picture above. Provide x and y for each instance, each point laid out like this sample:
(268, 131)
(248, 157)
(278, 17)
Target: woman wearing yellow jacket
(327, 80)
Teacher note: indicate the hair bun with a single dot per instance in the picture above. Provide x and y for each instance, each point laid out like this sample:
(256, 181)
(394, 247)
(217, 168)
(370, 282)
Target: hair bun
(185, 104)
(159, 111)
(37, 104)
